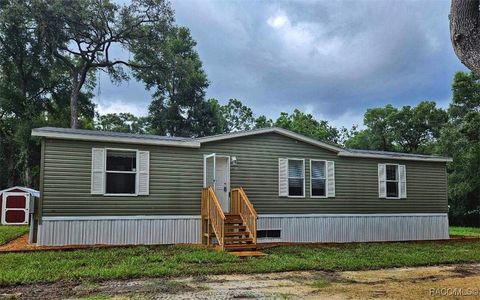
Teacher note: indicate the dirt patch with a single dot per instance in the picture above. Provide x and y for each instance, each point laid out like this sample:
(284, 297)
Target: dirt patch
(21, 244)
(399, 283)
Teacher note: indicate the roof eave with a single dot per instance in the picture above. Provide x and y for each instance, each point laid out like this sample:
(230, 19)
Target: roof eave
(393, 157)
(82, 137)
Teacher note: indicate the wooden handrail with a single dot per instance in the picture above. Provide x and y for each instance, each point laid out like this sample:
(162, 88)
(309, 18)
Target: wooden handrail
(213, 213)
(241, 205)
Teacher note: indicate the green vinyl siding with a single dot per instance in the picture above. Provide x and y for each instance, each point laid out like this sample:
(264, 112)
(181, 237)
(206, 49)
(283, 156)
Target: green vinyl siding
(176, 178)
(356, 179)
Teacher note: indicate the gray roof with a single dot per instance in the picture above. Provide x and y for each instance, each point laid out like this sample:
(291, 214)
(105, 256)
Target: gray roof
(393, 154)
(88, 132)
(119, 137)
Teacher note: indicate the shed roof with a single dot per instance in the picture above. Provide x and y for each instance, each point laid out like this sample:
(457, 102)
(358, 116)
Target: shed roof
(147, 139)
(32, 192)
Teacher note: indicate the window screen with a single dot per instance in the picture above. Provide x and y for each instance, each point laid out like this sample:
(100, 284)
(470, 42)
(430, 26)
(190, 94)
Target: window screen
(296, 177)
(318, 178)
(392, 180)
(121, 172)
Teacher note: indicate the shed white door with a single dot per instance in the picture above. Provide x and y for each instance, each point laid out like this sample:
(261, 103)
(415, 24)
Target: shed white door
(15, 206)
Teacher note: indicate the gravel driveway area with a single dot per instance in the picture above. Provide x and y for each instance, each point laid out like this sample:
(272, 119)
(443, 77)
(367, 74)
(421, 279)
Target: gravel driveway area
(398, 283)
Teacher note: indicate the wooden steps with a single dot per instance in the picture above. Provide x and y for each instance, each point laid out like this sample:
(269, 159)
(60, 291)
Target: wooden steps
(237, 237)
(234, 232)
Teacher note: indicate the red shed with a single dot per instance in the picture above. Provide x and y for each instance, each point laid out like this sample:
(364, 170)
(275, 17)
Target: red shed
(15, 205)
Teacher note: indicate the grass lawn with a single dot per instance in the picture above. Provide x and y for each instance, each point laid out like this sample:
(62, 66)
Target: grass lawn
(155, 261)
(8, 233)
(464, 231)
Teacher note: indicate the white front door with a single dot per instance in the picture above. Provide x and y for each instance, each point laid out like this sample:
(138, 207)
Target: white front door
(222, 185)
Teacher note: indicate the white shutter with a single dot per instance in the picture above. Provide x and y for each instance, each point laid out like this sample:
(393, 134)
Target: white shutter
(382, 177)
(143, 172)
(283, 177)
(98, 171)
(402, 179)
(330, 179)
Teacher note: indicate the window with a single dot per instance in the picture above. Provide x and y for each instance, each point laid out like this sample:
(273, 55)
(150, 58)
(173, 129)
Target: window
(268, 233)
(296, 177)
(318, 178)
(392, 181)
(121, 172)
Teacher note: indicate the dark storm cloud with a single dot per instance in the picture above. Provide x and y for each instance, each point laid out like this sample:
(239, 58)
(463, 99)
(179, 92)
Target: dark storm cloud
(333, 59)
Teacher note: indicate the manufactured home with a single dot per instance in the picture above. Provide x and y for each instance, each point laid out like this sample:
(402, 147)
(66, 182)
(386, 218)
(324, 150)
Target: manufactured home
(232, 190)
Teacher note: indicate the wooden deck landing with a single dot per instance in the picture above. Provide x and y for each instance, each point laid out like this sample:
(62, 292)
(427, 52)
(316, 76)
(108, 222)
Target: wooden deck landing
(247, 253)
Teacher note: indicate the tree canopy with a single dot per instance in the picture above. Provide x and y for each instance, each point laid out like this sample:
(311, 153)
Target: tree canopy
(460, 139)
(408, 129)
(83, 35)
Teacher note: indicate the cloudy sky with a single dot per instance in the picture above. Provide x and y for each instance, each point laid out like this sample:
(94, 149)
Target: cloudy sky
(333, 59)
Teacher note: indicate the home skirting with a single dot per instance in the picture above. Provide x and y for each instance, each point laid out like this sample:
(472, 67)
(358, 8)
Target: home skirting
(345, 228)
(148, 230)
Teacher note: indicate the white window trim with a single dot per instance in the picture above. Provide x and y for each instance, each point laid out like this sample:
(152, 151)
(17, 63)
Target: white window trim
(288, 177)
(122, 172)
(325, 178)
(398, 181)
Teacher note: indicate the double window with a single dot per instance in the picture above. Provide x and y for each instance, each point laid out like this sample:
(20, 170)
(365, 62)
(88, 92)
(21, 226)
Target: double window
(121, 172)
(318, 179)
(296, 178)
(292, 178)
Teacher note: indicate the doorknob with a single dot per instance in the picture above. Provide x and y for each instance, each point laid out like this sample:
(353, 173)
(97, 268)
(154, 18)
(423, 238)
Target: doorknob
(225, 189)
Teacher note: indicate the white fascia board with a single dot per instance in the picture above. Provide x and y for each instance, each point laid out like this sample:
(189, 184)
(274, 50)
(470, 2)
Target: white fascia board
(281, 131)
(96, 138)
(344, 153)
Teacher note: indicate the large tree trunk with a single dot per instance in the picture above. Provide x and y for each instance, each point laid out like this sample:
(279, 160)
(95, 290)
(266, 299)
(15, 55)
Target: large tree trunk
(465, 32)
(74, 109)
(74, 101)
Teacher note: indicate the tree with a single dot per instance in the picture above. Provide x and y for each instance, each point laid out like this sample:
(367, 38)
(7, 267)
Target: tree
(307, 125)
(460, 139)
(263, 122)
(408, 129)
(82, 35)
(466, 96)
(179, 83)
(33, 93)
(379, 121)
(416, 129)
(238, 117)
(208, 119)
(379, 133)
(122, 122)
(465, 32)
